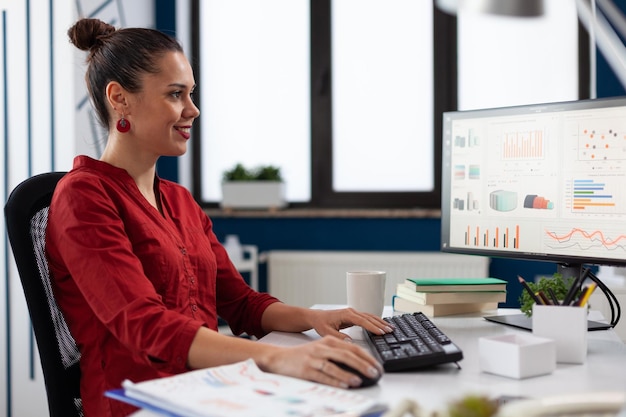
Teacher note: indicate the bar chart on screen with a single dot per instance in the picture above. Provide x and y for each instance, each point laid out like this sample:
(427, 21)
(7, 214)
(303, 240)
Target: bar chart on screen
(503, 237)
(522, 145)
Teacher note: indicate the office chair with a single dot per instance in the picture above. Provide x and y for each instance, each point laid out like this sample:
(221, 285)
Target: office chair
(26, 215)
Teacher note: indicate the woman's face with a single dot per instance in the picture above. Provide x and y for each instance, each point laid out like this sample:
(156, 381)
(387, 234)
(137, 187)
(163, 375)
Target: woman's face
(163, 112)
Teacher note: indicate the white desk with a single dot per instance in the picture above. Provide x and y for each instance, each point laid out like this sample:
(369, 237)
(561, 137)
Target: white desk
(605, 369)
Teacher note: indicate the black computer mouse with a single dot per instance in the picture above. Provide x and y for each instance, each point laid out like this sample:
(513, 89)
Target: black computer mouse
(367, 380)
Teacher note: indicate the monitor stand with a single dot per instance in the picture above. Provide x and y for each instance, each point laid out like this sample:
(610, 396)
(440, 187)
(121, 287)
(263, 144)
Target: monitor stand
(522, 321)
(568, 271)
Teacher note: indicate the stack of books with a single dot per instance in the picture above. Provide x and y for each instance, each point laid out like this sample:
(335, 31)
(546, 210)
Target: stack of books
(448, 296)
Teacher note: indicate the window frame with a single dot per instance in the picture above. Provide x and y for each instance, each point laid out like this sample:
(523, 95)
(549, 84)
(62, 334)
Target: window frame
(445, 99)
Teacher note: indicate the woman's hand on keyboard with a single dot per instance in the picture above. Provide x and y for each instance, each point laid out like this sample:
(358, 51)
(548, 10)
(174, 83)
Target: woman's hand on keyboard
(330, 322)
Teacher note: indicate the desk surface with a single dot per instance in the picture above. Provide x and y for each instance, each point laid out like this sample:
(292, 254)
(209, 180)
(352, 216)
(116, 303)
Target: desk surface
(434, 388)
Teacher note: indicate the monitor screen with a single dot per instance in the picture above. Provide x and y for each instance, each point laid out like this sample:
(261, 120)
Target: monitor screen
(541, 182)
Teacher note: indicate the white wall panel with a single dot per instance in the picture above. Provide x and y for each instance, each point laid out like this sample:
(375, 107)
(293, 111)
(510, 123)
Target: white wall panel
(21, 376)
(39, 89)
(64, 69)
(3, 242)
(17, 127)
(29, 151)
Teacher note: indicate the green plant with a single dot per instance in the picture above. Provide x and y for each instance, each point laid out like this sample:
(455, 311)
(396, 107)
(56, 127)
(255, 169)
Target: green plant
(238, 173)
(261, 173)
(473, 406)
(556, 283)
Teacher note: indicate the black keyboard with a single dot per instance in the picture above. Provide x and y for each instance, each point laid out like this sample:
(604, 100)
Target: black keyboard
(415, 343)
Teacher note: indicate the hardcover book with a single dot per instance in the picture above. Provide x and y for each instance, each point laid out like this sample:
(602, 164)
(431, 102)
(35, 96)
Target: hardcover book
(456, 284)
(403, 305)
(422, 297)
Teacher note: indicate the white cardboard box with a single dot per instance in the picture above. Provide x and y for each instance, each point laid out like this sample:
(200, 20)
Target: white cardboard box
(517, 355)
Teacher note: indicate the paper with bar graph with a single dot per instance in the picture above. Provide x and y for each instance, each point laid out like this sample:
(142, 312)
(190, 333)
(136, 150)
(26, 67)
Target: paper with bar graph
(242, 390)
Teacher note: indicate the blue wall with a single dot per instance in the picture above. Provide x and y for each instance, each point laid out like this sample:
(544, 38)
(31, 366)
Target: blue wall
(165, 21)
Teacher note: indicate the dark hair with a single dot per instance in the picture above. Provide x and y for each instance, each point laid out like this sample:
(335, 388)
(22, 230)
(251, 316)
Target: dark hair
(121, 55)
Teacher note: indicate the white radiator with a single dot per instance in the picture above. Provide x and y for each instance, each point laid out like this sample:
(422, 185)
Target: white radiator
(304, 278)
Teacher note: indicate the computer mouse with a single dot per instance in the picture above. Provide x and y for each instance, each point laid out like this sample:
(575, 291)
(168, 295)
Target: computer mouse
(367, 380)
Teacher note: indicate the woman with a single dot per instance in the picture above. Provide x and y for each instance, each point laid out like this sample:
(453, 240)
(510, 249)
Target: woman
(137, 269)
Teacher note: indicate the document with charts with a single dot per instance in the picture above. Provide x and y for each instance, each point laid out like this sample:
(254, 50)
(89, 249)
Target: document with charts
(242, 389)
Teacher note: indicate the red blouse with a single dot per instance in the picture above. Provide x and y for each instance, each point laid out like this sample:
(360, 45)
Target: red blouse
(134, 284)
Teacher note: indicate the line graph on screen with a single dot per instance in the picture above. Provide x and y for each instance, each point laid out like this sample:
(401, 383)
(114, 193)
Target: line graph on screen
(599, 241)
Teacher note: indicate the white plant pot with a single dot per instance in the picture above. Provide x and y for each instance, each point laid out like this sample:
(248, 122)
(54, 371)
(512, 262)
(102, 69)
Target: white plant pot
(253, 195)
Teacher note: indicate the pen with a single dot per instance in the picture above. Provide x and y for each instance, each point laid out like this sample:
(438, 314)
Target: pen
(575, 287)
(529, 290)
(584, 296)
(553, 297)
(544, 300)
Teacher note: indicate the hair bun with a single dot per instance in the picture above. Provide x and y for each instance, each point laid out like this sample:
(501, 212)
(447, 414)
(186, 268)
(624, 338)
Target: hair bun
(87, 34)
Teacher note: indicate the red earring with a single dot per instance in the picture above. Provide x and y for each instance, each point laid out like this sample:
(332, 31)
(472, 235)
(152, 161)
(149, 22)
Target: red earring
(123, 125)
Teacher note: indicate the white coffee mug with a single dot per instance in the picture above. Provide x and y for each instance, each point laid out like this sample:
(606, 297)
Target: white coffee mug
(366, 291)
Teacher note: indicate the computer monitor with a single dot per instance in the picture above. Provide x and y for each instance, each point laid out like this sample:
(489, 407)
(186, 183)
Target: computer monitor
(540, 182)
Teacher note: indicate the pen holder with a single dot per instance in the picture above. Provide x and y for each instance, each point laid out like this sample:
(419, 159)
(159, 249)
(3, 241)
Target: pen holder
(567, 326)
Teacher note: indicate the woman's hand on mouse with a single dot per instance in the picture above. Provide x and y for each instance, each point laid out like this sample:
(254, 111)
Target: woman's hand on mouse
(313, 361)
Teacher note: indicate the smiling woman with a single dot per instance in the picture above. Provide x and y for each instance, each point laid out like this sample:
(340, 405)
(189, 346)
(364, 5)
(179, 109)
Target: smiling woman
(136, 269)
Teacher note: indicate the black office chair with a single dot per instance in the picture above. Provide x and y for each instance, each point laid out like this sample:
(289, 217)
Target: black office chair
(26, 215)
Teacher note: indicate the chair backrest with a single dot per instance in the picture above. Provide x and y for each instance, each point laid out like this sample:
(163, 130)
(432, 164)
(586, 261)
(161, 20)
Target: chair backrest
(26, 215)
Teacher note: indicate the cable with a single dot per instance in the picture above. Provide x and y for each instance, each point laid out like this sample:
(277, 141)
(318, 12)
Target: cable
(616, 310)
(613, 303)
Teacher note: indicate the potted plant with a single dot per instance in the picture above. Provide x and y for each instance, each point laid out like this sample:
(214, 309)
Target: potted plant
(258, 188)
(555, 284)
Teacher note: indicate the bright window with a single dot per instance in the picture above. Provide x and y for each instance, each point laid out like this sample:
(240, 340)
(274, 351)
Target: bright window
(382, 108)
(364, 133)
(506, 61)
(254, 88)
